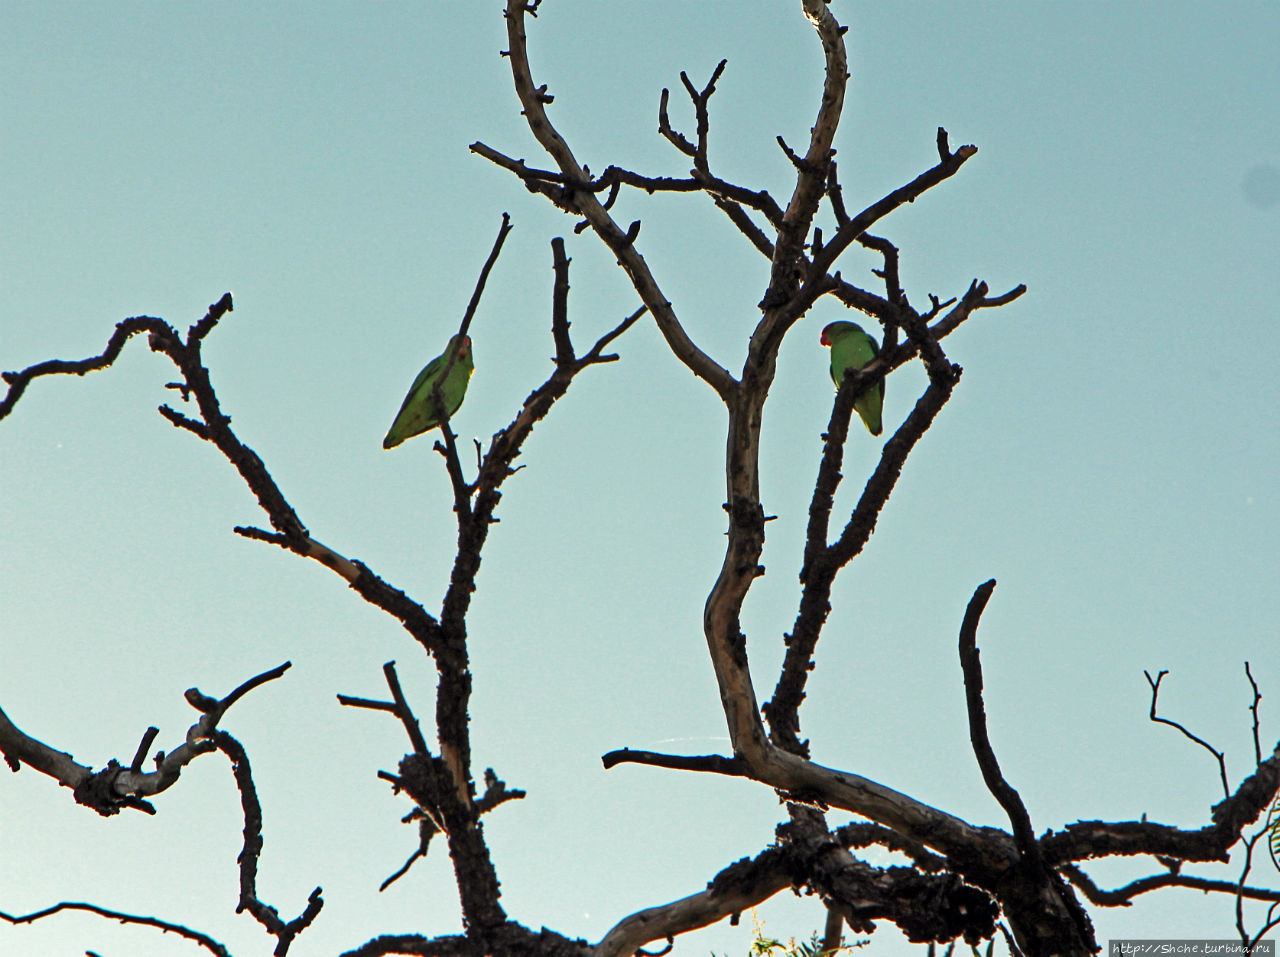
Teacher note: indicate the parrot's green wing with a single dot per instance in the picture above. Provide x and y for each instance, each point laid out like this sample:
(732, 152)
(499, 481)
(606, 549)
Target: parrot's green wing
(852, 348)
(420, 412)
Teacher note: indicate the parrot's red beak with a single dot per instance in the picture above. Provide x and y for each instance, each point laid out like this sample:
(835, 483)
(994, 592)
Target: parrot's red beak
(824, 340)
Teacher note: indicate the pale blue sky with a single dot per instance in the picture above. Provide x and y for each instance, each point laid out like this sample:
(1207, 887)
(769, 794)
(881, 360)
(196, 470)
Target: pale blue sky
(1110, 455)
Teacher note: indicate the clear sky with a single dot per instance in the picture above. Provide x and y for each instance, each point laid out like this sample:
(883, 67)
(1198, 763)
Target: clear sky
(1110, 456)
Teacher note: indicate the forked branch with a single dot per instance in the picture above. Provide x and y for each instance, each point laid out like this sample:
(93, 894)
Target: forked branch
(118, 786)
(533, 101)
(284, 931)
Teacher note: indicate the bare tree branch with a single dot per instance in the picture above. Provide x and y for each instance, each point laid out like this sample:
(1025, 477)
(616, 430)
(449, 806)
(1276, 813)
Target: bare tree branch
(832, 933)
(823, 561)
(117, 786)
(700, 99)
(1086, 839)
(927, 907)
(533, 100)
(214, 427)
(697, 762)
(283, 931)
(971, 664)
(398, 706)
(1121, 896)
(736, 888)
(848, 232)
(1253, 710)
(1220, 756)
(168, 927)
(892, 281)
(962, 876)
(437, 395)
(811, 175)
(1247, 940)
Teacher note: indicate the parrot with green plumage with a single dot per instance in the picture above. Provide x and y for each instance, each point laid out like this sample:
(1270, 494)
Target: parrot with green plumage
(852, 348)
(420, 411)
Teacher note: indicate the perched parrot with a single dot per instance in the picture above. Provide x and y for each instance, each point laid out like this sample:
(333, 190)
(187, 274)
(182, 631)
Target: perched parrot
(852, 348)
(420, 412)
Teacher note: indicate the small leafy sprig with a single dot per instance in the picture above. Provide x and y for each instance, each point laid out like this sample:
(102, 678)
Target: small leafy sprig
(765, 946)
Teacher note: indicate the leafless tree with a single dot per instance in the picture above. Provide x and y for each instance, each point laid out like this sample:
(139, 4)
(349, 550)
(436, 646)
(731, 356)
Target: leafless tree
(958, 880)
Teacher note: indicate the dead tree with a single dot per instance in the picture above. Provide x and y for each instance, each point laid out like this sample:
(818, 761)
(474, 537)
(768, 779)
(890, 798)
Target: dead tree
(958, 880)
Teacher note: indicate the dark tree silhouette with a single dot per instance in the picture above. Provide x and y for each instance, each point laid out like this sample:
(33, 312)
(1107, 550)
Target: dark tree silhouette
(959, 881)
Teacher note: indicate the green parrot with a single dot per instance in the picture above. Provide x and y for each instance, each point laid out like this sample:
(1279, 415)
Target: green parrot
(420, 412)
(852, 348)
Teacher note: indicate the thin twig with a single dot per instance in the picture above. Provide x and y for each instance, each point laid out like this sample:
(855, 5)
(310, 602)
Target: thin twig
(892, 281)
(1219, 755)
(437, 396)
(1253, 711)
(560, 303)
(402, 709)
(148, 738)
(204, 940)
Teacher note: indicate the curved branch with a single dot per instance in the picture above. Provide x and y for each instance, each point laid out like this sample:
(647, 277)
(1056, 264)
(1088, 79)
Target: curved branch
(215, 428)
(117, 786)
(283, 931)
(721, 614)
(1253, 710)
(158, 329)
(532, 100)
(1121, 896)
(924, 906)
(204, 940)
(1088, 839)
(736, 888)
(866, 835)
(1220, 756)
(971, 664)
